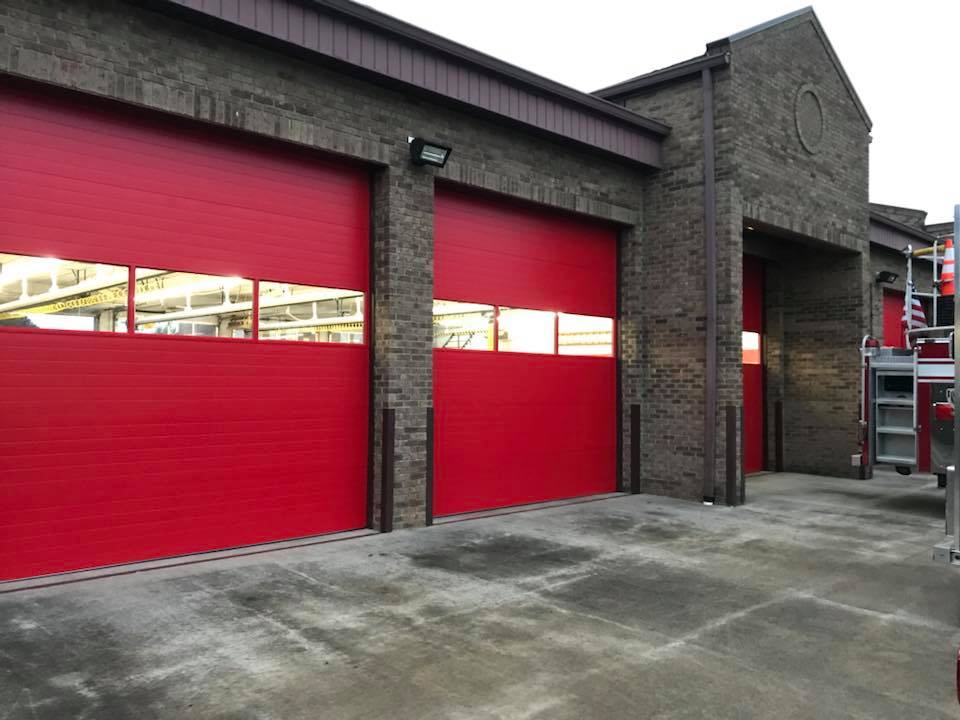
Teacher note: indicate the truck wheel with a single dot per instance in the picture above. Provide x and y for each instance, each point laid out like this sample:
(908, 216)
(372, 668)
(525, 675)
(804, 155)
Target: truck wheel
(903, 469)
(941, 480)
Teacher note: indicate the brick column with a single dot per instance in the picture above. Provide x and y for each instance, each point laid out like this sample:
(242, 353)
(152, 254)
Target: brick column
(823, 323)
(402, 337)
(631, 312)
(729, 341)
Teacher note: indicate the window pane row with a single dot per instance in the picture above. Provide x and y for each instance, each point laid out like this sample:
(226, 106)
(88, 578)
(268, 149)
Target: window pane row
(59, 294)
(472, 326)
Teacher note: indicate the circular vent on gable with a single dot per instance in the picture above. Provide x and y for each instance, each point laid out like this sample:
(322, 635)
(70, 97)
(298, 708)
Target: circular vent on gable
(809, 118)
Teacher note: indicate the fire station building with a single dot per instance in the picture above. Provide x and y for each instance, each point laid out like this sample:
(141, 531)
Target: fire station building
(271, 269)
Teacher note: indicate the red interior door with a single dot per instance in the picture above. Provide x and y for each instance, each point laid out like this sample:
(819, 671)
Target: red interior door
(893, 319)
(753, 390)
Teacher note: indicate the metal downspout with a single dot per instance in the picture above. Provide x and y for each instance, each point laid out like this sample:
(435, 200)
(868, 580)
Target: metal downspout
(710, 259)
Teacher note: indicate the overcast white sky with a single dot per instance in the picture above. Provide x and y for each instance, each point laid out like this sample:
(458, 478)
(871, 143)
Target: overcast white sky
(903, 58)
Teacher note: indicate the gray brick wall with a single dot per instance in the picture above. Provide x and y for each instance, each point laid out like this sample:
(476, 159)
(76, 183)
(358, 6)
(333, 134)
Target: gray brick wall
(121, 51)
(403, 331)
(669, 272)
(820, 195)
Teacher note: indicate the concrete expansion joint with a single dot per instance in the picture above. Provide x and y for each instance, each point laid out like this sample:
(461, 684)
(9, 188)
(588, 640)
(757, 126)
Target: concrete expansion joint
(900, 616)
(663, 651)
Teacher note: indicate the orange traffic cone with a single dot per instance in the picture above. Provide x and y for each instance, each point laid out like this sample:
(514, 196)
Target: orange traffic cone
(946, 275)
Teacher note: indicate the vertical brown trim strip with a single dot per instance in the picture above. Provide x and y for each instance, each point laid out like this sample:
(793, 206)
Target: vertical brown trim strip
(732, 465)
(386, 470)
(763, 366)
(710, 284)
(778, 435)
(370, 300)
(428, 485)
(635, 450)
(740, 474)
(618, 326)
(131, 300)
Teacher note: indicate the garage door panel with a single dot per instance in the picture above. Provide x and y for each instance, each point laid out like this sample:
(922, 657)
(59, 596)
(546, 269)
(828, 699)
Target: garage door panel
(571, 287)
(514, 429)
(60, 161)
(491, 251)
(150, 481)
(63, 208)
(61, 526)
(149, 193)
(166, 539)
(91, 137)
(303, 477)
(90, 133)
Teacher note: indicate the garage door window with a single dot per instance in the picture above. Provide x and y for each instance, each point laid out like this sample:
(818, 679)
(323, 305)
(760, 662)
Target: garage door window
(475, 326)
(305, 313)
(584, 335)
(463, 326)
(530, 331)
(55, 294)
(182, 303)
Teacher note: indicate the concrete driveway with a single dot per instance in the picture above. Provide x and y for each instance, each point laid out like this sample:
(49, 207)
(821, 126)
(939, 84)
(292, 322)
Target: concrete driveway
(817, 600)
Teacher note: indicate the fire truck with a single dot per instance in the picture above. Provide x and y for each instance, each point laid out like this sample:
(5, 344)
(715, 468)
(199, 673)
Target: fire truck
(906, 394)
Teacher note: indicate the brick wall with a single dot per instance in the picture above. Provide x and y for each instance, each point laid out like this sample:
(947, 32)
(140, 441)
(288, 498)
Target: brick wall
(118, 50)
(669, 291)
(818, 194)
(811, 214)
(812, 202)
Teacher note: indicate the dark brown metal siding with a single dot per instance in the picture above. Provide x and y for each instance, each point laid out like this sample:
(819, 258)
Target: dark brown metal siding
(377, 51)
(887, 236)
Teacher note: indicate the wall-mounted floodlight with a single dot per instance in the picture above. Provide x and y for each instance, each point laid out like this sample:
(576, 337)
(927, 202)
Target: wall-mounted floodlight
(428, 152)
(887, 277)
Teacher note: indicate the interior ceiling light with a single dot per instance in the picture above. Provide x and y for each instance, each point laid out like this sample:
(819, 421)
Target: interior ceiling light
(428, 152)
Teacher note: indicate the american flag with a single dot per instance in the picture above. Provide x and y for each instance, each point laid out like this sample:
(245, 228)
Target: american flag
(917, 318)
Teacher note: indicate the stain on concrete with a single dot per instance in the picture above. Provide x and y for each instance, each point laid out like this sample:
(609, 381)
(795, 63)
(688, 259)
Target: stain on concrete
(654, 596)
(504, 556)
(927, 505)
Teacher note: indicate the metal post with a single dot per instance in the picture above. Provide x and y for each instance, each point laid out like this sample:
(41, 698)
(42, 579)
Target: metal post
(950, 551)
(955, 495)
(936, 284)
(710, 286)
(908, 297)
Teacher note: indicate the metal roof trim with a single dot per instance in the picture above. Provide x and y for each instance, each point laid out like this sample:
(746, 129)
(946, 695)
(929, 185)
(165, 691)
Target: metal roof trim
(400, 28)
(900, 227)
(680, 70)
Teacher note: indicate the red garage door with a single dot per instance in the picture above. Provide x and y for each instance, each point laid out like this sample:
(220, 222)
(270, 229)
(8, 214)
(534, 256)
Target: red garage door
(183, 360)
(753, 387)
(524, 367)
